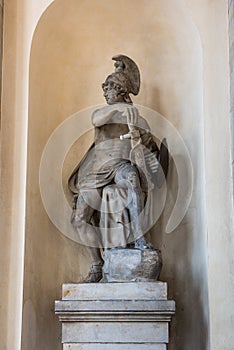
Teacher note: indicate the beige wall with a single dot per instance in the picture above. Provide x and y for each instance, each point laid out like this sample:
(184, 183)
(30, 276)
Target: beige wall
(219, 207)
(69, 61)
(184, 77)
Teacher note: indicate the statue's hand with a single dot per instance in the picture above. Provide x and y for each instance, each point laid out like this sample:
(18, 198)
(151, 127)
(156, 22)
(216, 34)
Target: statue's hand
(132, 115)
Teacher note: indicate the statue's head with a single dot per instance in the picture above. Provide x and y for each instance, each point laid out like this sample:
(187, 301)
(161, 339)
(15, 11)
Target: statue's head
(125, 80)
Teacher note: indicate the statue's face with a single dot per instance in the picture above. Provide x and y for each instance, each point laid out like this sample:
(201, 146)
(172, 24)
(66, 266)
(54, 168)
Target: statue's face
(111, 94)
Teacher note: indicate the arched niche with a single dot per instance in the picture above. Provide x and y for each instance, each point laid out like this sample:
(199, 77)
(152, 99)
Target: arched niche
(70, 57)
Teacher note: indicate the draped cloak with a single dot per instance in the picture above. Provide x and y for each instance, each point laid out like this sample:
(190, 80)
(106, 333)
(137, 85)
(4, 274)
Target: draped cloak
(97, 170)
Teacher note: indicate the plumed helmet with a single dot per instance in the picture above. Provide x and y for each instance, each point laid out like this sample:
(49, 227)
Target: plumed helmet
(126, 67)
(126, 76)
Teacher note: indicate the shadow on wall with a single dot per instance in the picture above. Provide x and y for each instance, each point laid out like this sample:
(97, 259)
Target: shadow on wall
(184, 271)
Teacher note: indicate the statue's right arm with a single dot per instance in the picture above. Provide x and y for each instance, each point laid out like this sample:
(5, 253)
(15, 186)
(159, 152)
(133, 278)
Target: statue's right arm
(103, 115)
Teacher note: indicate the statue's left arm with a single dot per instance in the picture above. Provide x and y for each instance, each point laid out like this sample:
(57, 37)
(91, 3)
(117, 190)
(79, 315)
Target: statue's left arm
(139, 129)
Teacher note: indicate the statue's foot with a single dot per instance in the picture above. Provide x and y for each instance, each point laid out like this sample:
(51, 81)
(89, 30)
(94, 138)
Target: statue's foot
(95, 274)
(141, 244)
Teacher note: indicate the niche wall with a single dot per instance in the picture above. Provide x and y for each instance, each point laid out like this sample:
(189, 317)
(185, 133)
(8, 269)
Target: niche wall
(70, 57)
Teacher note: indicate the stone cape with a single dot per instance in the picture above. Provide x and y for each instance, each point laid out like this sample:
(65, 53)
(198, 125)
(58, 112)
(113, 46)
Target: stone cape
(97, 170)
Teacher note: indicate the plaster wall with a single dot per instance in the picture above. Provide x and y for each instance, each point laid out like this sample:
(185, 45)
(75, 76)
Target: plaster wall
(68, 64)
(217, 136)
(209, 101)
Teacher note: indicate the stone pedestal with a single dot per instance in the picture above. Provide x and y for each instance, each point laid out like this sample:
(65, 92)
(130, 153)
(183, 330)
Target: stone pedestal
(132, 265)
(115, 316)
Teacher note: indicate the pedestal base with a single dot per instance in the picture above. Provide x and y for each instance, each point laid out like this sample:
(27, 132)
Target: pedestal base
(132, 265)
(102, 346)
(115, 316)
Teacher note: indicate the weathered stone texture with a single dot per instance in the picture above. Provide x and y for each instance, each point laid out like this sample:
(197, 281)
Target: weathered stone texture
(115, 316)
(115, 291)
(102, 346)
(124, 265)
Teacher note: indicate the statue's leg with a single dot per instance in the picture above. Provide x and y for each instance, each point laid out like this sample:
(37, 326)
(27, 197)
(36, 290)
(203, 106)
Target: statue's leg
(129, 175)
(88, 234)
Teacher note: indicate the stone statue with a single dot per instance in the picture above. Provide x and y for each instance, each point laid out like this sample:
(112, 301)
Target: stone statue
(118, 173)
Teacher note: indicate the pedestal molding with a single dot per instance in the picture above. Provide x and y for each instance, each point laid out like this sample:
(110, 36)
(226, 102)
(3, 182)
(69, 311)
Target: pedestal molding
(105, 321)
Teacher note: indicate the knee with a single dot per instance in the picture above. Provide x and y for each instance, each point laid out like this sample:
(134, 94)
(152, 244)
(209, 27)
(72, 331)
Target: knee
(77, 218)
(80, 214)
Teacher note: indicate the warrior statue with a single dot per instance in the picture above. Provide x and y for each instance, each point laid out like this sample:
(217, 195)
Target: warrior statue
(124, 160)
